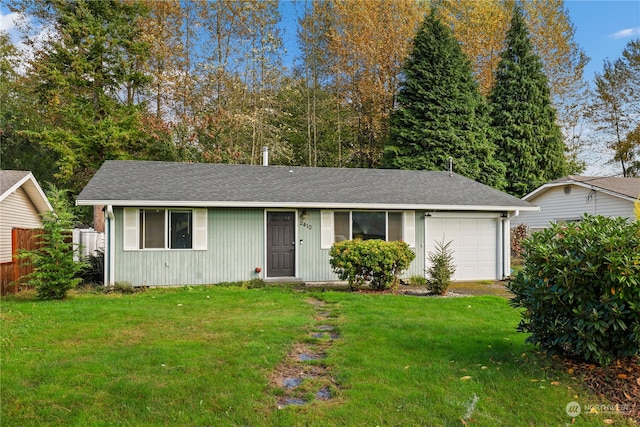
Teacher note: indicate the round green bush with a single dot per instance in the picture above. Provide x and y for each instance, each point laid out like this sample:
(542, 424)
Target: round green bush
(377, 262)
(580, 289)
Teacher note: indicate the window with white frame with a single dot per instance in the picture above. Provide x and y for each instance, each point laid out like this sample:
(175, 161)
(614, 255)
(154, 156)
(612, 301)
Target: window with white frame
(337, 226)
(154, 228)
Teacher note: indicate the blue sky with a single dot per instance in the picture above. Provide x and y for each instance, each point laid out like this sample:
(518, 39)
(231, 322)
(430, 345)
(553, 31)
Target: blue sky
(603, 28)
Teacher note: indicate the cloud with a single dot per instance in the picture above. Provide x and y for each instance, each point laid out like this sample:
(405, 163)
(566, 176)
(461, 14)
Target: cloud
(7, 22)
(627, 32)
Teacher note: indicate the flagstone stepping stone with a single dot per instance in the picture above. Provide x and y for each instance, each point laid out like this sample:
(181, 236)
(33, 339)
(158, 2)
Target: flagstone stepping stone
(308, 356)
(324, 393)
(290, 401)
(291, 382)
(323, 314)
(325, 336)
(326, 328)
(317, 302)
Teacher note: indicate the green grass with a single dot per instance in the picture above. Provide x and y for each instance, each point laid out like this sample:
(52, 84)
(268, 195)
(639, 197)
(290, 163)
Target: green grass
(206, 356)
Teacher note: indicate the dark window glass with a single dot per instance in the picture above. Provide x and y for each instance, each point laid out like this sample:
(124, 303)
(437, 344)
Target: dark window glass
(180, 228)
(368, 225)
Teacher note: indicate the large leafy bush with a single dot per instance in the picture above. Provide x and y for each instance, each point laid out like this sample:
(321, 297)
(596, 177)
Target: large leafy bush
(580, 289)
(375, 261)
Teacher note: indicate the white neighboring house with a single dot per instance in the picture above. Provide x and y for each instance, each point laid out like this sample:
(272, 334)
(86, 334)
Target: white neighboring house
(22, 201)
(569, 198)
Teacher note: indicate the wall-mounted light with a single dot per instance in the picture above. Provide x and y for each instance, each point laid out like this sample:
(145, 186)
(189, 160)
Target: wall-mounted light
(304, 215)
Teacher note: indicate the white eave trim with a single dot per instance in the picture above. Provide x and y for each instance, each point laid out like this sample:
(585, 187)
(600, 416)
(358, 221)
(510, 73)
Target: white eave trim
(308, 205)
(543, 189)
(33, 190)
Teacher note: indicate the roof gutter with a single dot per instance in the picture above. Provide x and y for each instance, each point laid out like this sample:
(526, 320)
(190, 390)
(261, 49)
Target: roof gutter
(308, 205)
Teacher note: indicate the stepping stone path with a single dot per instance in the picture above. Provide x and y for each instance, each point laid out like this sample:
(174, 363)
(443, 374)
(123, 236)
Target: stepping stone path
(302, 373)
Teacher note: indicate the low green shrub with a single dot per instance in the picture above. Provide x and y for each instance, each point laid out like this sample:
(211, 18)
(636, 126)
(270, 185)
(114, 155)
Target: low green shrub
(93, 273)
(377, 262)
(254, 283)
(580, 289)
(123, 288)
(417, 280)
(442, 268)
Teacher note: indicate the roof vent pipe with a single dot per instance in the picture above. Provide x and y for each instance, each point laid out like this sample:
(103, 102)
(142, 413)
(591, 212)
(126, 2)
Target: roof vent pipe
(265, 156)
(450, 166)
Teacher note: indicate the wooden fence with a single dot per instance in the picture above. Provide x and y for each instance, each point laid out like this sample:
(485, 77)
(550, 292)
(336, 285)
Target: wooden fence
(12, 272)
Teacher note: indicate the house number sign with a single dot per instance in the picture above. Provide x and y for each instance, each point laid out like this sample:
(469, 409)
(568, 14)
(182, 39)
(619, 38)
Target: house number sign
(306, 225)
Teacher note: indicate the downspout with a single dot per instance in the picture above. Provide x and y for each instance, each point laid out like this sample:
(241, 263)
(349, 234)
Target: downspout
(109, 253)
(500, 246)
(506, 226)
(427, 215)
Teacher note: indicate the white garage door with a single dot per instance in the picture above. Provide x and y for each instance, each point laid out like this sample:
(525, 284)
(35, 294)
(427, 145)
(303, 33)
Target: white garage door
(474, 245)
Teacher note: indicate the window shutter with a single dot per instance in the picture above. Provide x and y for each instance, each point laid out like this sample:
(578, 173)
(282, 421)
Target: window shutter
(200, 236)
(130, 229)
(326, 229)
(409, 228)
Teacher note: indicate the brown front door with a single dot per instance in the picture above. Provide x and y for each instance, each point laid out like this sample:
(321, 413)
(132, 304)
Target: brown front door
(281, 245)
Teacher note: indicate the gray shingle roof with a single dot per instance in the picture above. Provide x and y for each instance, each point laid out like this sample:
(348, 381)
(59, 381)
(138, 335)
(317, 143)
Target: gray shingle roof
(9, 178)
(146, 183)
(629, 187)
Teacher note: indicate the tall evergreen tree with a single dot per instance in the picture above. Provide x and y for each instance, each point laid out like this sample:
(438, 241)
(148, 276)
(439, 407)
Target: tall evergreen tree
(441, 113)
(87, 78)
(529, 140)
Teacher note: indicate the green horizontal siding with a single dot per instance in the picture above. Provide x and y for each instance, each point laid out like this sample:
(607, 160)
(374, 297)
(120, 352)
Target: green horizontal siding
(235, 248)
(313, 262)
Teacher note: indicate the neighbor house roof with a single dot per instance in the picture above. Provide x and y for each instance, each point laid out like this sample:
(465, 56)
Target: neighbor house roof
(11, 180)
(146, 183)
(626, 188)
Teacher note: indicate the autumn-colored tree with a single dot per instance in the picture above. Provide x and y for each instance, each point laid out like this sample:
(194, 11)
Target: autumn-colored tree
(367, 46)
(480, 27)
(313, 30)
(162, 29)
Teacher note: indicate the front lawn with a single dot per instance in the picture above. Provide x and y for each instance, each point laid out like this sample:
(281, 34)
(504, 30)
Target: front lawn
(209, 356)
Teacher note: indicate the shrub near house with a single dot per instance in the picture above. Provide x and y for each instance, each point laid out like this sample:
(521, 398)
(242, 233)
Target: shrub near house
(580, 288)
(375, 261)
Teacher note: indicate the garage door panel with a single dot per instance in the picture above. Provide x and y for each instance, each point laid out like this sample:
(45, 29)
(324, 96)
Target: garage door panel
(474, 244)
(470, 241)
(467, 227)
